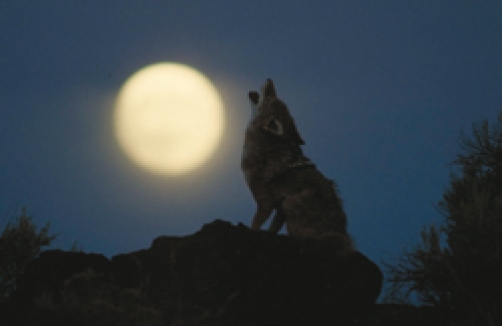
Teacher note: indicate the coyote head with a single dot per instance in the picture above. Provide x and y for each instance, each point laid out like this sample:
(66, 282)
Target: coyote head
(272, 114)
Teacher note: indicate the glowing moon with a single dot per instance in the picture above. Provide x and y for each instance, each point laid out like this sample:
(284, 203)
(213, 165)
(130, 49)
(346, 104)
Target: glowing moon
(168, 118)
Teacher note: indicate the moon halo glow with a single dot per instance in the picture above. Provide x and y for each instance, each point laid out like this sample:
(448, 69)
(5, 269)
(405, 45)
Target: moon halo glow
(168, 118)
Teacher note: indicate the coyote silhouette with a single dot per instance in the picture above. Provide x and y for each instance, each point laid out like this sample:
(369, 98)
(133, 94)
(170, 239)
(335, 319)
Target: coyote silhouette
(283, 179)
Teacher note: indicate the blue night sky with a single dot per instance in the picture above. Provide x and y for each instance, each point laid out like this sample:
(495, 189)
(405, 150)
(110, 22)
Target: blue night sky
(380, 91)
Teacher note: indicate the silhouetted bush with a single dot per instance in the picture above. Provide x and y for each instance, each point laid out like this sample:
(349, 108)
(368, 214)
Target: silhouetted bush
(20, 242)
(458, 265)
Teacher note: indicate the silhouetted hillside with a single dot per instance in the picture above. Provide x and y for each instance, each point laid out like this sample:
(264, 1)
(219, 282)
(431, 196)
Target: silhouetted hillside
(221, 275)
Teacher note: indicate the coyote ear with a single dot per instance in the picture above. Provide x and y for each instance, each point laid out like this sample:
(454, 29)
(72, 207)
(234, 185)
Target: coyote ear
(268, 89)
(274, 126)
(254, 97)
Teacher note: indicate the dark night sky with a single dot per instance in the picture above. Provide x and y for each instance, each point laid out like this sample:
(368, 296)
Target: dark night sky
(380, 92)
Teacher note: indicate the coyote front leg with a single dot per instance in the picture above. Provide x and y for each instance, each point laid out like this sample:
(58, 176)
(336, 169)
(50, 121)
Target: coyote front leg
(262, 214)
(277, 221)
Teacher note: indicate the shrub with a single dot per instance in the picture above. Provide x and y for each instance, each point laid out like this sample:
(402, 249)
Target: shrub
(20, 242)
(458, 265)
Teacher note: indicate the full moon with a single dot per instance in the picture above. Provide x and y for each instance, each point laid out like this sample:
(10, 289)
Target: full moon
(168, 118)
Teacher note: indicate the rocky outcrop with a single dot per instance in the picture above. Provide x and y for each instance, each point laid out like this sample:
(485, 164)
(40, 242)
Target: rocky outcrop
(223, 274)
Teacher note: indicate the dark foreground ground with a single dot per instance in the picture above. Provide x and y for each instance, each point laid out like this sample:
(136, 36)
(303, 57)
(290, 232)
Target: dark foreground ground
(221, 275)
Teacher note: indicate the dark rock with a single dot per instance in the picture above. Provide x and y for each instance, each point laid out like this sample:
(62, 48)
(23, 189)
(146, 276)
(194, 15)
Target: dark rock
(48, 272)
(222, 274)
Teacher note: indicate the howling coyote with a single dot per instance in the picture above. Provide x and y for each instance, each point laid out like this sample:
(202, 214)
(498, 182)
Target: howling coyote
(281, 178)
